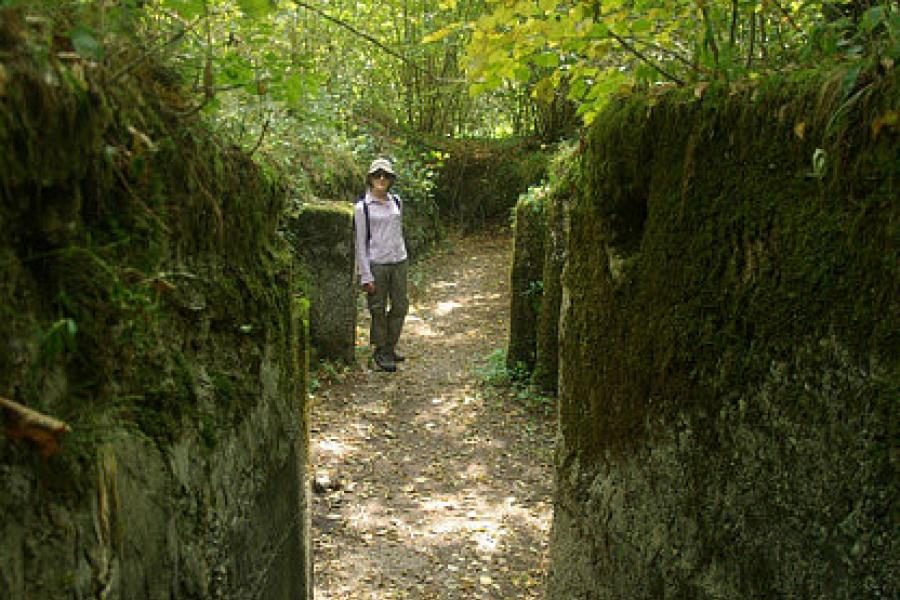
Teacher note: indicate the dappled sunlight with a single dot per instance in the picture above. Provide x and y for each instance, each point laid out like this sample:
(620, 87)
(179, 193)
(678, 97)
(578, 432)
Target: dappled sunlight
(442, 492)
(443, 342)
(445, 308)
(461, 514)
(443, 285)
(444, 323)
(441, 519)
(444, 405)
(366, 515)
(478, 298)
(415, 325)
(474, 471)
(334, 447)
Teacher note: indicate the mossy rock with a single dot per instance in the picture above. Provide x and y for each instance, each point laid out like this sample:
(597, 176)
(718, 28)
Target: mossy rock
(729, 346)
(480, 180)
(526, 281)
(546, 367)
(145, 299)
(323, 241)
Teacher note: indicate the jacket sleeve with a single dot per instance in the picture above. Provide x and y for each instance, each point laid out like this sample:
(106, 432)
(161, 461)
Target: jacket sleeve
(363, 267)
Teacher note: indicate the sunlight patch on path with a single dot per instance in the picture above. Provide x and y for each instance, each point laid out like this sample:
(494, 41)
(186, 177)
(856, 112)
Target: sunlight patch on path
(334, 447)
(445, 308)
(442, 491)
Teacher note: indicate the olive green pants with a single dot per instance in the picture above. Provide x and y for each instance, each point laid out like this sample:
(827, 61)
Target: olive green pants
(388, 306)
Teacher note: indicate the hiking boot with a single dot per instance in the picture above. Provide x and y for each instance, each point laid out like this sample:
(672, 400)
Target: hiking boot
(385, 363)
(397, 357)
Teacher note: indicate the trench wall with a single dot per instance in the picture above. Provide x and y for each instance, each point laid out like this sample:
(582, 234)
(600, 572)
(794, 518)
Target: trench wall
(322, 237)
(539, 253)
(479, 181)
(729, 347)
(546, 366)
(526, 281)
(147, 300)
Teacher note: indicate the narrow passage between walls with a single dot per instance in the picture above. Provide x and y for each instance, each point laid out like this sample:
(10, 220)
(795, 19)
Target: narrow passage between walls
(428, 482)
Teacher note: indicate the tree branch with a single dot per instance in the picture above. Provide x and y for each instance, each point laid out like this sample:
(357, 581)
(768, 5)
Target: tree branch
(752, 40)
(372, 40)
(787, 15)
(732, 30)
(147, 52)
(25, 423)
(667, 51)
(355, 32)
(262, 134)
(644, 57)
(710, 35)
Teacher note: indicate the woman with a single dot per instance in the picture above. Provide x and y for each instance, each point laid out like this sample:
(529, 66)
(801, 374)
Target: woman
(381, 261)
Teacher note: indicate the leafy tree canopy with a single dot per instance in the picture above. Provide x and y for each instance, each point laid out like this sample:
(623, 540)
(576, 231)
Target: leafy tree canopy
(598, 47)
(314, 88)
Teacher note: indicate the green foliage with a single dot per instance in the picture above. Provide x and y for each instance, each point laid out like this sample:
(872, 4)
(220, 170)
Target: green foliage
(327, 372)
(85, 42)
(494, 372)
(283, 76)
(600, 49)
(496, 378)
(533, 199)
(59, 336)
(481, 180)
(535, 293)
(725, 298)
(309, 90)
(127, 224)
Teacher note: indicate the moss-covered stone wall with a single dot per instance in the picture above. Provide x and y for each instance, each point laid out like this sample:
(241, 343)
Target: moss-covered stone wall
(480, 181)
(145, 300)
(322, 235)
(539, 252)
(729, 347)
(546, 367)
(526, 281)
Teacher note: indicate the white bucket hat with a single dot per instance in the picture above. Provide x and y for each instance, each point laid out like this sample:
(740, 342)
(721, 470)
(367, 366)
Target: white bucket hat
(381, 164)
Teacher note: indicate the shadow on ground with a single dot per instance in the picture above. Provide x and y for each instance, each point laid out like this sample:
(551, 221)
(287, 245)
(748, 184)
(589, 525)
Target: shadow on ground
(429, 483)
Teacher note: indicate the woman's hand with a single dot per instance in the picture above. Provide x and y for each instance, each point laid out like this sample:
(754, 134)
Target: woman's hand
(369, 287)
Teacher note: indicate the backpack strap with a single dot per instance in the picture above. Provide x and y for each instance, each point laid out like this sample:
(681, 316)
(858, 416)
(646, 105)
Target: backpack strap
(399, 208)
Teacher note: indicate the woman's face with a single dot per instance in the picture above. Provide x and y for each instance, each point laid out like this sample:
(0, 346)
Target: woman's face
(381, 181)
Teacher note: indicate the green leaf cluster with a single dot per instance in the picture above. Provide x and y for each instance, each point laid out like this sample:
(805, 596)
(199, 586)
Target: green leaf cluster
(597, 49)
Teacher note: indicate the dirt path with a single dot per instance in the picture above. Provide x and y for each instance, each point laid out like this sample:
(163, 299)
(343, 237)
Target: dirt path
(431, 485)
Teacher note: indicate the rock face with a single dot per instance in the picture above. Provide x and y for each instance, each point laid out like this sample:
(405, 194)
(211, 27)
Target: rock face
(182, 519)
(148, 302)
(480, 180)
(526, 282)
(546, 366)
(322, 236)
(728, 350)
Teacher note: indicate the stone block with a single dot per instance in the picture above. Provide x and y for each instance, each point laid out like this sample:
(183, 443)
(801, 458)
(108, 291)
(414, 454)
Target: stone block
(323, 242)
